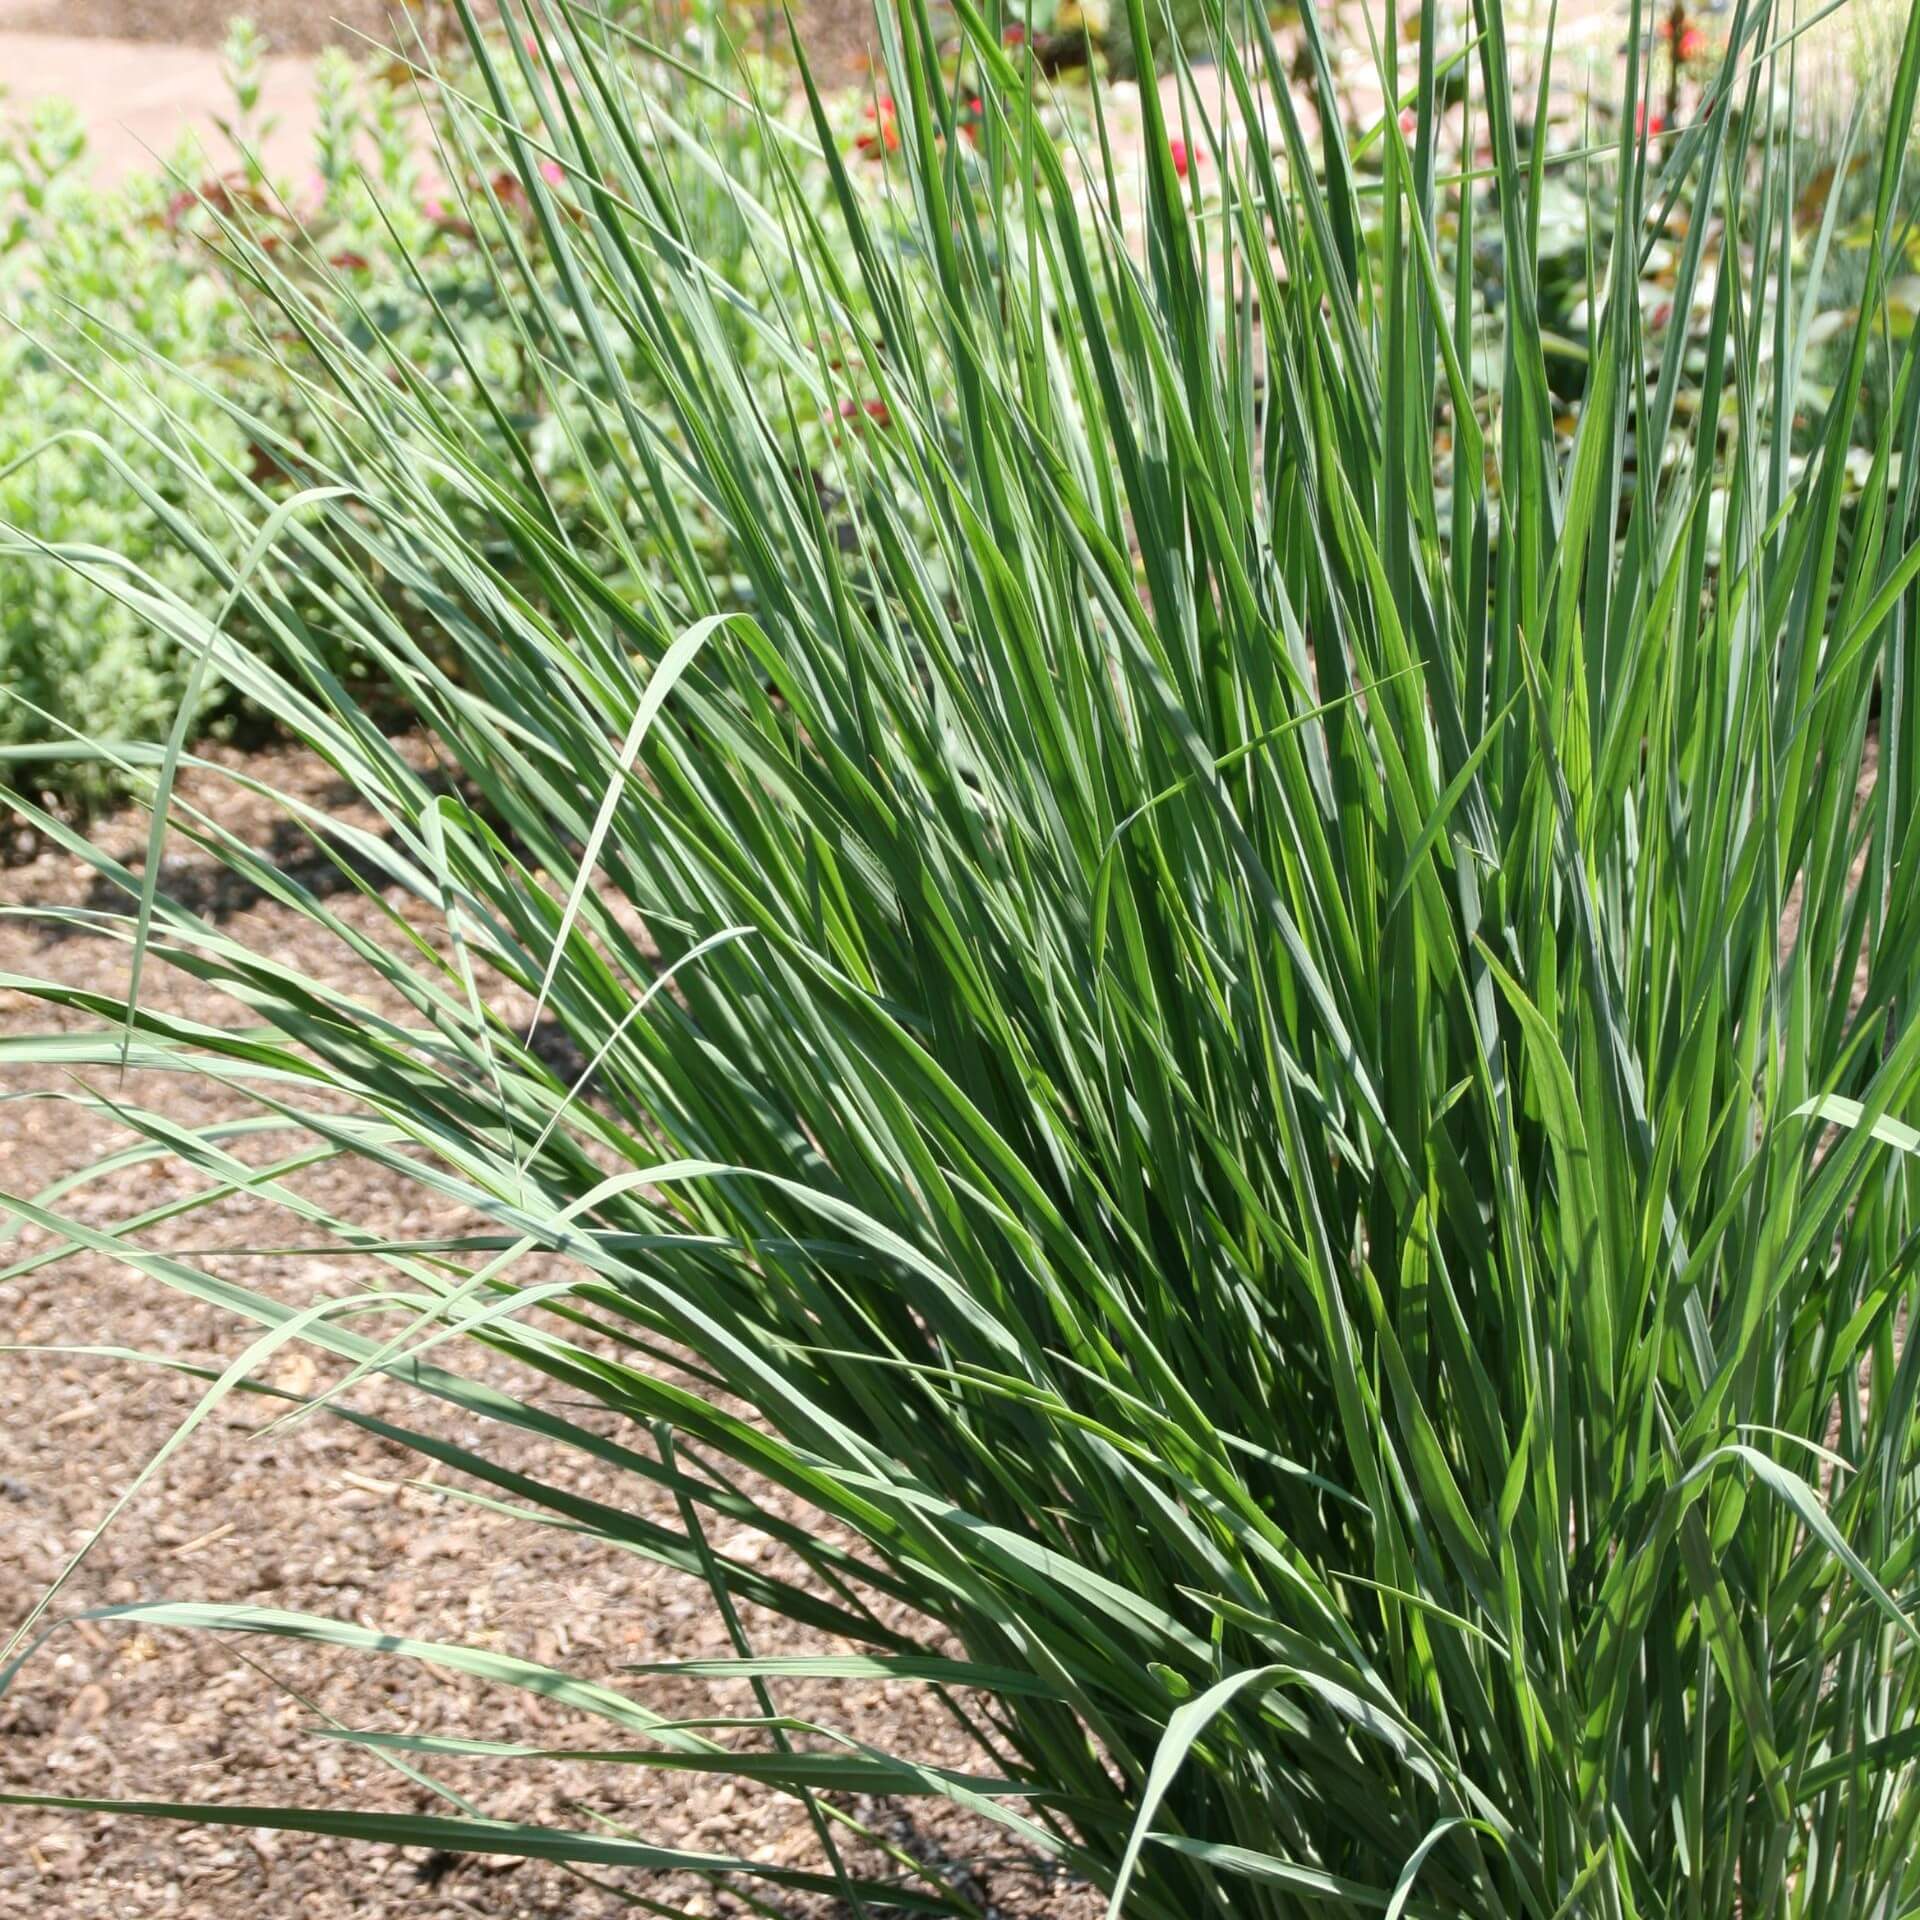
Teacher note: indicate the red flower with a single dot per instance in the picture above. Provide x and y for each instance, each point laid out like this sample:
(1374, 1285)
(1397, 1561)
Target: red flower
(1183, 159)
(1643, 124)
(875, 410)
(1014, 36)
(1409, 121)
(229, 194)
(884, 135)
(1692, 44)
(971, 115)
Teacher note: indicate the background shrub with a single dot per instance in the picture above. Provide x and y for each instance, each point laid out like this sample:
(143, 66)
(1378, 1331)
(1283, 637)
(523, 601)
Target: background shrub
(159, 371)
(84, 440)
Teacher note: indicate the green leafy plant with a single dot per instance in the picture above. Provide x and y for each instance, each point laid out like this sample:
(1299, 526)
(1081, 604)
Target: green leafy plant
(1264, 1059)
(155, 355)
(81, 437)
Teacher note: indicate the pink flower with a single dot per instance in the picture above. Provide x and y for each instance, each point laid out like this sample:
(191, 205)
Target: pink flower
(1183, 160)
(552, 172)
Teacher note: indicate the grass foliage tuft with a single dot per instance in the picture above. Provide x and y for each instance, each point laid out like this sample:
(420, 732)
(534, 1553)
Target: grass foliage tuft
(1290, 1066)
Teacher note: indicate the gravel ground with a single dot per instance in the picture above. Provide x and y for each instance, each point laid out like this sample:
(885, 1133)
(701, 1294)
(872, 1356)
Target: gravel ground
(321, 1519)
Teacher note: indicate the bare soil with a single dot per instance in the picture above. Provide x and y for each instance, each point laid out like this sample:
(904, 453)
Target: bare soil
(321, 1518)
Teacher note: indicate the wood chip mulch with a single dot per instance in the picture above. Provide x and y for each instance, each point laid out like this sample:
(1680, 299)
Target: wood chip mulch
(323, 1518)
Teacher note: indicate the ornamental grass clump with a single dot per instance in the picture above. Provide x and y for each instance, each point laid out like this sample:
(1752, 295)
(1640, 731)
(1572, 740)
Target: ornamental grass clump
(1233, 990)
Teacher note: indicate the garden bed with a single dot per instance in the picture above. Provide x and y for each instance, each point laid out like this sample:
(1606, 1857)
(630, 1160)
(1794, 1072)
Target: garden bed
(319, 1518)
(1134, 947)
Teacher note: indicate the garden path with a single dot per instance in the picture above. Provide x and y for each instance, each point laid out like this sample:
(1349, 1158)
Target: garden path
(138, 97)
